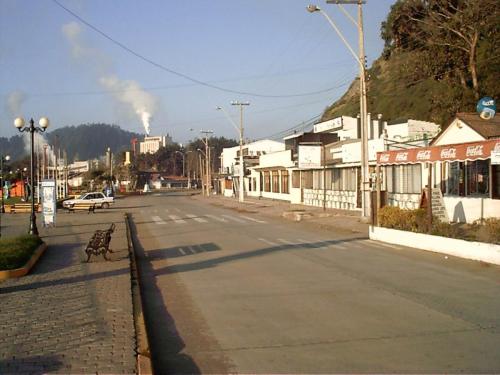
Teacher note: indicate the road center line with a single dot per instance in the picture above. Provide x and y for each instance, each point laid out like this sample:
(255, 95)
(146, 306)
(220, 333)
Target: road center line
(253, 219)
(222, 220)
(234, 218)
(268, 242)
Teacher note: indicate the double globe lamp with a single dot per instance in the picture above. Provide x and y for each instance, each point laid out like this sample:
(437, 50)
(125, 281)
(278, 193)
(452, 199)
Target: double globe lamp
(20, 124)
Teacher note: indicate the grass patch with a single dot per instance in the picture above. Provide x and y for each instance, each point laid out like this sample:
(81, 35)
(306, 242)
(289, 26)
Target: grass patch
(16, 251)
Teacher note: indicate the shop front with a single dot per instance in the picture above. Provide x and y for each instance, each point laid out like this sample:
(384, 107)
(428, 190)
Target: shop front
(467, 175)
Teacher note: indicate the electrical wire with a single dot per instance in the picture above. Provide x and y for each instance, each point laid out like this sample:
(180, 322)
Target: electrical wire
(179, 74)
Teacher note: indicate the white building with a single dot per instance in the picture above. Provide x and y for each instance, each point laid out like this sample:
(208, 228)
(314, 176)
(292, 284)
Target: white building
(465, 173)
(251, 153)
(150, 145)
(333, 178)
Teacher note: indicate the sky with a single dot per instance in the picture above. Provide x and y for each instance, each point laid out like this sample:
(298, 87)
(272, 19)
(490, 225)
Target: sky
(157, 59)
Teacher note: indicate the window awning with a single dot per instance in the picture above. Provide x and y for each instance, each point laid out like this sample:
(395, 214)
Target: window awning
(458, 152)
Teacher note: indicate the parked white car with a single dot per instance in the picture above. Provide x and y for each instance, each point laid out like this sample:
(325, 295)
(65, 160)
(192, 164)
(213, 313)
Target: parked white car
(100, 200)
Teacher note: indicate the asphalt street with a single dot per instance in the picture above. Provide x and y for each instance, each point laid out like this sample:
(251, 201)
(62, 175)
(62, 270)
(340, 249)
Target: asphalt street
(236, 291)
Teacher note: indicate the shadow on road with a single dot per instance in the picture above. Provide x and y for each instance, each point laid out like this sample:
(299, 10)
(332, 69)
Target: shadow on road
(166, 344)
(209, 263)
(31, 365)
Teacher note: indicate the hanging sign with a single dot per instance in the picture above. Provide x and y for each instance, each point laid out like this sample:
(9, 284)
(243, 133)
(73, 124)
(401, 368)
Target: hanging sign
(49, 201)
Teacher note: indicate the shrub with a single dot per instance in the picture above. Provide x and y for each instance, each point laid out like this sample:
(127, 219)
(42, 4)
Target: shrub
(397, 218)
(492, 226)
(16, 251)
(445, 229)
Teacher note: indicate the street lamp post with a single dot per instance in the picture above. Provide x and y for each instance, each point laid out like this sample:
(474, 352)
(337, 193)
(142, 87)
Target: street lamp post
(32, 129)
(365, 198)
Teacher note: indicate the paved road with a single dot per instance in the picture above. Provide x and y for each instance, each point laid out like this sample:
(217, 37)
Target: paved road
(230, 291)
(68, 316)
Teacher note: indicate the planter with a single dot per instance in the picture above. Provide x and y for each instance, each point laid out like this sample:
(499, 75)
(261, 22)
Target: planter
(18, 272)
(485, 252)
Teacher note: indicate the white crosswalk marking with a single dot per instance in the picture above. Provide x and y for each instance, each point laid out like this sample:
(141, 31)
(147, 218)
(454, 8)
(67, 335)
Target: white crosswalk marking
(196, 218)
(158, 220)
(176, 219)
(253, 219)
(193, 251)
(268, 242)
(182, 251)
(238, 220)
(221, 219)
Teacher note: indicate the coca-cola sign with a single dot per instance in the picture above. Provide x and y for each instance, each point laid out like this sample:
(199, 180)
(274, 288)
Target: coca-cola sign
(461, 152)
(449, 153)
(424, 155)
(384, 158)
(474, 150)
(402, 156)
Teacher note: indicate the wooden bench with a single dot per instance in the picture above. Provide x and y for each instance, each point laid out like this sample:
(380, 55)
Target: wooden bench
(99, 243)
(83, 206)
(22, 208)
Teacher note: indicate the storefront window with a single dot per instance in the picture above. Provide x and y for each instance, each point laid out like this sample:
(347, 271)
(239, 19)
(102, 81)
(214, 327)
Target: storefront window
(478, 177)
(276, 182)
(284, 182)
(455, 178)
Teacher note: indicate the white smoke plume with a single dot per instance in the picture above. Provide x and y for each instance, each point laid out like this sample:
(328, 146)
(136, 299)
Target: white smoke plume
(14, 103)
(39, 142)
(128, 92)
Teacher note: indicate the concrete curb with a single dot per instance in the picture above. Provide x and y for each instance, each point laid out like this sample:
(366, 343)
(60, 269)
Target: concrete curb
(18, 272)
(483, 252)
(143, 363)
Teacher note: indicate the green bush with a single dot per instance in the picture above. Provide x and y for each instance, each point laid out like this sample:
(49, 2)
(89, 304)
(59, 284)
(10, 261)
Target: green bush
(16, 251)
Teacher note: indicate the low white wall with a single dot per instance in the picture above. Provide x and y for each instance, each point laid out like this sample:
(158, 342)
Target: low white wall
(485, 252)
(280, 196)
(468, 209)
(295, 195)
(228, 192)
(344, 200)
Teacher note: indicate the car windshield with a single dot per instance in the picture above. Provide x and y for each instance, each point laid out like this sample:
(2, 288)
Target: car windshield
(81, 196)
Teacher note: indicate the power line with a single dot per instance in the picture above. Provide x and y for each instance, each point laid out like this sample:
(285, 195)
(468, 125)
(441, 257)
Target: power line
(179, 74)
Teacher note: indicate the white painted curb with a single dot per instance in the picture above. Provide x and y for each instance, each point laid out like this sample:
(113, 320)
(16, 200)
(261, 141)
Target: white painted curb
(486, 252)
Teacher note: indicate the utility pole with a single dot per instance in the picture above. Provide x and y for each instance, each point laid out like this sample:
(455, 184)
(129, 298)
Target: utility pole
(207, 160)
(242, 167)
(365, 197)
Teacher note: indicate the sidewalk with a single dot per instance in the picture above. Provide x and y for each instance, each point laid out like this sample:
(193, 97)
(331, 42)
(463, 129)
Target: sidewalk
(68, 316)
(333, 219)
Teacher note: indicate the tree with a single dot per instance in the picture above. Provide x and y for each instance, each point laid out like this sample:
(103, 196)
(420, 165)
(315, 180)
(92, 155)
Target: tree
(456, 27)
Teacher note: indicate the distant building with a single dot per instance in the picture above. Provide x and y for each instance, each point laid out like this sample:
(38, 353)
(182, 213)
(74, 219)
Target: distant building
(150, 145)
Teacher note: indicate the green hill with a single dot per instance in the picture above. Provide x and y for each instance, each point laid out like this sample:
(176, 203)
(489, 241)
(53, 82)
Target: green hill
(426, 73)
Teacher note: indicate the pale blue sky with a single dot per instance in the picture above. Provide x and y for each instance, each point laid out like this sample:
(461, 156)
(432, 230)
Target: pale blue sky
(270, 47)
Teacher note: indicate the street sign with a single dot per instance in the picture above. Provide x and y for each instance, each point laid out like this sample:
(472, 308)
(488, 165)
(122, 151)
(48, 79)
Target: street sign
(49, 202)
